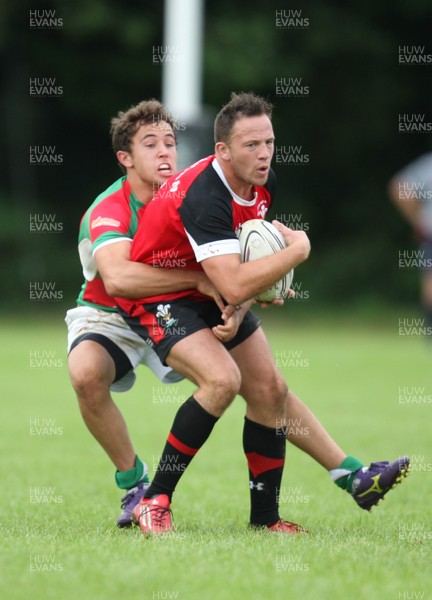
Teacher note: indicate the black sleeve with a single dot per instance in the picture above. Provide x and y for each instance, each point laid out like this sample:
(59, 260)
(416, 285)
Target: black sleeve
(206, 211)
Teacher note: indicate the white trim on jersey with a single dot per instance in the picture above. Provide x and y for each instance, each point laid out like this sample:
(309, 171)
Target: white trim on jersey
(216, 166)
(111, 241)
(86, 254)
(88, 264)
(212, 249)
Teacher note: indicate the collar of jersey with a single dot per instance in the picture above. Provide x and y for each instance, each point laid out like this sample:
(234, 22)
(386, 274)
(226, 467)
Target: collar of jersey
(218, 169)
(130, 194)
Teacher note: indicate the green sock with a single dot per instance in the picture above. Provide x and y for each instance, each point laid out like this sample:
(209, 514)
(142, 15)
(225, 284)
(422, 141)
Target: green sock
(344, 474)
(128, 479)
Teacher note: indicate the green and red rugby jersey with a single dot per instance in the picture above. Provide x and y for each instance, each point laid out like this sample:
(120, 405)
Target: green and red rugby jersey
(112, 217)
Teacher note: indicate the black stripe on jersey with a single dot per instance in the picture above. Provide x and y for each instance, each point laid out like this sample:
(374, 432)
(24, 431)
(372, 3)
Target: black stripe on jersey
(206, 210)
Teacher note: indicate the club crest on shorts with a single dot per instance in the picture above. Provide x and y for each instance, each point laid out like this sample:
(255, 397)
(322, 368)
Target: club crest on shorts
(164, 316)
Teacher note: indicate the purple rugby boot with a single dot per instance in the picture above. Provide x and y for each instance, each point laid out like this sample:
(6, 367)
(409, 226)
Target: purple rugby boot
(372, 483)
(128, 503)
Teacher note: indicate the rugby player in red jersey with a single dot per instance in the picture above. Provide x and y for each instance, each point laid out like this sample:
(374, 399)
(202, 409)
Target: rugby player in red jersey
(193, 219)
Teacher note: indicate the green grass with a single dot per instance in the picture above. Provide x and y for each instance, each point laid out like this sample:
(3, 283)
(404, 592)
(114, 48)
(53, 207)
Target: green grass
(66, 546)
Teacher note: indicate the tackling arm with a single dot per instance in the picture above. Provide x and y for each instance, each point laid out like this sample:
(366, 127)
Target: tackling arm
(125, 278)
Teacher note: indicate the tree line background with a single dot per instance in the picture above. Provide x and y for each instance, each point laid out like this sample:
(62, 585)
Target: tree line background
(346, 123)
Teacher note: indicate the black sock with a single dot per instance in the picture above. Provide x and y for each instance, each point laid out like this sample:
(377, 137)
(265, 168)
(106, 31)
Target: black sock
(191, 427)
(265, 452)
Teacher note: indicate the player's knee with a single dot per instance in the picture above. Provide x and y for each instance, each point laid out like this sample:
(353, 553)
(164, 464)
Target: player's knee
(273, 390)
(279, 389)
(91, 369)
(223, 387)
(88, 382)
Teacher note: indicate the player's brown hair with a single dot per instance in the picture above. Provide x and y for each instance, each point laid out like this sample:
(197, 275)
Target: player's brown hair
(126, 123)
(244, 104)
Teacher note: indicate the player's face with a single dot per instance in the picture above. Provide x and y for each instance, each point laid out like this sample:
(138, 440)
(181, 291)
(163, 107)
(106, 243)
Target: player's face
(153, 153)
(250, 151)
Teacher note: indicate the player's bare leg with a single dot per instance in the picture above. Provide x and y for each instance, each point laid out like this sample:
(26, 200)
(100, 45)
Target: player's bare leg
(305, 432)
(92, 371)
(203, 359)
(263, 387)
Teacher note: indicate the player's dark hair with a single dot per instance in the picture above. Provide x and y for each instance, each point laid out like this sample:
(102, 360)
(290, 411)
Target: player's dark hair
(126, 123)
(240, 105)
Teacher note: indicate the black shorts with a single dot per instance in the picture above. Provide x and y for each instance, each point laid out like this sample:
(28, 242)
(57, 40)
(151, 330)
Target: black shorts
(121, 361)
(163, 325)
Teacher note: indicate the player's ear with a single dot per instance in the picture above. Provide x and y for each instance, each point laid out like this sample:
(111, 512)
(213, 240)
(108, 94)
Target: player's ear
(124, 159)
(222, 150)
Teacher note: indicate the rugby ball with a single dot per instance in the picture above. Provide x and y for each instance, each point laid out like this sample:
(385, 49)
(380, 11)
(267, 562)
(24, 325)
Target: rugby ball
(259, 239)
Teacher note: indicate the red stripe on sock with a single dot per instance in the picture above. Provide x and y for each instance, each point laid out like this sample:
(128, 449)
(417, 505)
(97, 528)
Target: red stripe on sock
(178, 445)
(258, 463)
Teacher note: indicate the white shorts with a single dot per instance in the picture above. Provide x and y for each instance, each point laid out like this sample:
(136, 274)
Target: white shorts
(85, 319)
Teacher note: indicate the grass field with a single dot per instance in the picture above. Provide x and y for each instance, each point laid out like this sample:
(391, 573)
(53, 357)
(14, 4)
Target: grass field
(370, 386)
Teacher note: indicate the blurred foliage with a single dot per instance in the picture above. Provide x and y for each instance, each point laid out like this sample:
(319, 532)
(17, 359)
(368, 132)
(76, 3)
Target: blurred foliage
(348, 125)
